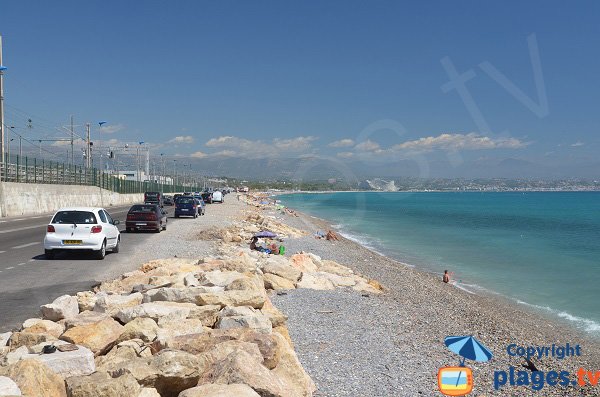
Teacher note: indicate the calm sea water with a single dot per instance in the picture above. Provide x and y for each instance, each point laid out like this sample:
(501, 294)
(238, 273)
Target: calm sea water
(540, 249)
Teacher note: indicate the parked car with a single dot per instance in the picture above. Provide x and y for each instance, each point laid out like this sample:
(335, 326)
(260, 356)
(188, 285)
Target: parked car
(153, 198)
(146, 217)
(82, 228)
(201, 205)
(207, 197)
(186, 206)
(168, 200)
(217, 196)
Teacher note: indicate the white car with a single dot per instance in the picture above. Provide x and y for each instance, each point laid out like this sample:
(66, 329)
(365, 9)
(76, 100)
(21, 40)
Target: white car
(82, 228)
(217, 197)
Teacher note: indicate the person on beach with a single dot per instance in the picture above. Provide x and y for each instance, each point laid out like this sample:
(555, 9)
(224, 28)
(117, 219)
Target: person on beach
(253, 244)
(446, 277)
(331, 236)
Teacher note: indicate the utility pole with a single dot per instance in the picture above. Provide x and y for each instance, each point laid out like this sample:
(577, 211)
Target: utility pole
(2, 68)
(72, 137)
(88, 152)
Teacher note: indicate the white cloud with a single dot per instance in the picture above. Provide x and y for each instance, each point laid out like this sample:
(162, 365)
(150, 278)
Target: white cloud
(198, 155)
(225, 153)
(367, 146)
(471, 141)
(60, 143)
(225, 141)
(295, 144)
(342, 143)
(111, 128)
(236, 146)
(577, 144)
(182, 139)
(345, 155)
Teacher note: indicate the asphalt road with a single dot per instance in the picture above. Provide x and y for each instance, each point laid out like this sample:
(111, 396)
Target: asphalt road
(28, 280)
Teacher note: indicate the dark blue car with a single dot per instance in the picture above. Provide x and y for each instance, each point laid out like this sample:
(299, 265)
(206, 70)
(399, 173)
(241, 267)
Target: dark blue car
(186, 206)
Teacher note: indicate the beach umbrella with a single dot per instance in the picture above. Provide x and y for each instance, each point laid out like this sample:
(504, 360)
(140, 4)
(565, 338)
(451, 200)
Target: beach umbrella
(468, 347)
(265, 233)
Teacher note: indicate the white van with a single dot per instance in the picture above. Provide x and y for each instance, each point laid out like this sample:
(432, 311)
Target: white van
(217, 196)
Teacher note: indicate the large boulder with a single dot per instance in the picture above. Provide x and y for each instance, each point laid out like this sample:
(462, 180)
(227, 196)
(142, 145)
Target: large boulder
(243, 317)
(214, 390)
(85, 318)
(87, 300)
(181, 295)
(315, 281)
(282, 269)
(241, 367)
(335, 268)
(291, 372)
(5, 337)
(207, 314)
(155, 311)
(218, 278)
(19, 339)
(276, 317)
(254, 298)
(43, 327)
(222, 350)
(143, 328)
(34, 378)
(101, 384)
(169, 371)
(65, 306)
(8, 387)
(337, 280)
(71, 363)
(121, 353)
(112, 304)
(277, 283)
(98, 337)
(149, 392)
(303, 262)
(170, 328)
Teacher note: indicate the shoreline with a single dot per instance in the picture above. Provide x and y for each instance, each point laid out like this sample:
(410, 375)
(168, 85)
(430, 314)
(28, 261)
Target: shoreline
(557, 316)
(423, 305)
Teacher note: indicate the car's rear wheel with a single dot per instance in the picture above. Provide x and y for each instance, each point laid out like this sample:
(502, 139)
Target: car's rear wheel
(49, 254)
(159, 228)
(118, 246)
(165, 226)
(101, 253)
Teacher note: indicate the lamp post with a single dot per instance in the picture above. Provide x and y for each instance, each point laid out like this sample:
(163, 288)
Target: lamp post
(2, 137)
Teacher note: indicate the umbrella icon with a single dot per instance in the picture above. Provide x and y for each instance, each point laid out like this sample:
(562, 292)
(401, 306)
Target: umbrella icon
(467, 347)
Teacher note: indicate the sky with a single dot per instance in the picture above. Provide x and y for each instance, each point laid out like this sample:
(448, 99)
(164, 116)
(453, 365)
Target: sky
(436, 88)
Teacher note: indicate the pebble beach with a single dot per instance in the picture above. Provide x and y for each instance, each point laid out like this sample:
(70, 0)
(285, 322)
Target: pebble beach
(392, 344)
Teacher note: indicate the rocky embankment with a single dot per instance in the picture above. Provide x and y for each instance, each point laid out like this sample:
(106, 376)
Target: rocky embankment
(182, 327)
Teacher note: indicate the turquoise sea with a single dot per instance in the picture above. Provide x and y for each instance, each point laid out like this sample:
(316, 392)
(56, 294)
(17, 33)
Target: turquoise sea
(538, 248)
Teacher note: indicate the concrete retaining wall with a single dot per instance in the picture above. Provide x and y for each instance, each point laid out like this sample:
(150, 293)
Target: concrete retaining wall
(29, 199)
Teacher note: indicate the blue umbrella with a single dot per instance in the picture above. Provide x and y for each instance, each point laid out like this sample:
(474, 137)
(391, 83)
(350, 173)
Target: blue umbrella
(467, 347)
(265, 233)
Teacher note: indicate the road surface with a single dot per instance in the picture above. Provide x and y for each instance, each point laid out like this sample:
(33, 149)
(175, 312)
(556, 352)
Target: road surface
(28, 280)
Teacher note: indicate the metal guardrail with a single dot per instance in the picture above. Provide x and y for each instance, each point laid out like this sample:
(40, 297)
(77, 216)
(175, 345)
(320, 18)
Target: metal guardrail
(32, 170)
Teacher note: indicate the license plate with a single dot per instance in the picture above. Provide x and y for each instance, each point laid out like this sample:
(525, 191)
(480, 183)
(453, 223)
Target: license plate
(72, 242)
(184, 209)
(141, 224)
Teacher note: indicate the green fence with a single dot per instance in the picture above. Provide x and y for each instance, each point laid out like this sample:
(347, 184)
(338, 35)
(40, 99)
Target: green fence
(25, 169)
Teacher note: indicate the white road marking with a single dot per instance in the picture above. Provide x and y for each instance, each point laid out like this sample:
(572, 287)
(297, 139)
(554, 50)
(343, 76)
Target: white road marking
(25, 245)
(8, 268)
(1, 252)
(20, 219)
(21, 264)
(31, 260)
(22, 228)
